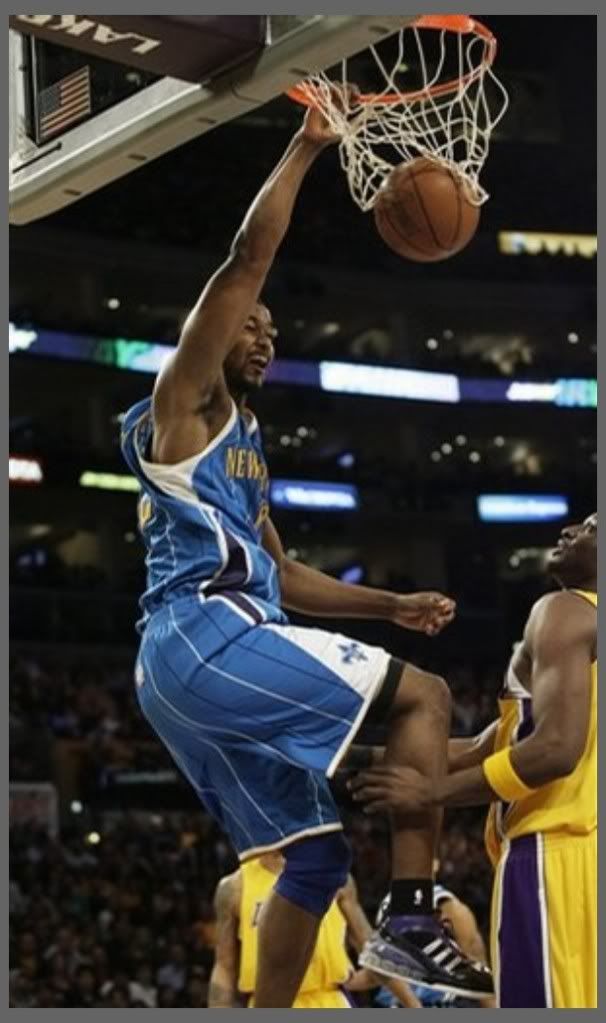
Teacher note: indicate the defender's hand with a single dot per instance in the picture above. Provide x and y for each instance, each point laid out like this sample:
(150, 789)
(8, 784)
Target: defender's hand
(387, 787)
(424, 612)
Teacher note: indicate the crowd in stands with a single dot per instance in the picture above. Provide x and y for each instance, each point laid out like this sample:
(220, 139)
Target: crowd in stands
(125, 922)
(128, 921)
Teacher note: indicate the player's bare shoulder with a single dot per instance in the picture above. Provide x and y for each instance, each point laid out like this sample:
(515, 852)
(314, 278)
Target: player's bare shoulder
(559, 617)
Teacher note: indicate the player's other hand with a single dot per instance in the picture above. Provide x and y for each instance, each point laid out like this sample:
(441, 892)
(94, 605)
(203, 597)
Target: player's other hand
(388, 788)
(424, 612)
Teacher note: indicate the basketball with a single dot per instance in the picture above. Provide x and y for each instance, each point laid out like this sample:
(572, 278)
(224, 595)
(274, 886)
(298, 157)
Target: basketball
(423, 211)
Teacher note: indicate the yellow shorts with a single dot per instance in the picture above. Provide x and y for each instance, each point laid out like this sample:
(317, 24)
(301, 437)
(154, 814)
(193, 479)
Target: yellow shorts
(333, 998)
(544, 922)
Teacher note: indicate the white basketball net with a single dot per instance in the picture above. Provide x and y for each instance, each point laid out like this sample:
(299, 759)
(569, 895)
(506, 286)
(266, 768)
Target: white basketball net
(390, 126)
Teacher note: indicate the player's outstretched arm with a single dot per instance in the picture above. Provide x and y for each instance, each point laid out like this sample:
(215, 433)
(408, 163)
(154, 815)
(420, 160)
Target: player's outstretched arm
(223, 984)
(189, 379)
(314, 593)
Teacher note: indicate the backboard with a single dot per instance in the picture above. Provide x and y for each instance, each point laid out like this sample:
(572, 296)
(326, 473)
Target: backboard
(161, 112)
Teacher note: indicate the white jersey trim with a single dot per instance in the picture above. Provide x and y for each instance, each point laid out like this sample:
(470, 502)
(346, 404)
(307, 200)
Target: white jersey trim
(321, 829)
(372, 691)
(499, 882)
(513, 684)
(158, 472)
(545, 931)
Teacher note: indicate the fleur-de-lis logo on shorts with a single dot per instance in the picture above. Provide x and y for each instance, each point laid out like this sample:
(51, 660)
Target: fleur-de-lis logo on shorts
(351, 652)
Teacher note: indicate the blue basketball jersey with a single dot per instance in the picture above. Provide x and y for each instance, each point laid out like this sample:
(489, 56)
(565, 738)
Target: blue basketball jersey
(201, 520)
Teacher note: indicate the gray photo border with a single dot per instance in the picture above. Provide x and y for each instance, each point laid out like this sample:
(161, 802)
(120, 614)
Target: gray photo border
(538, 7)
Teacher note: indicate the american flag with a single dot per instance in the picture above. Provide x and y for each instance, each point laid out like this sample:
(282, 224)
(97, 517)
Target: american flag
(63, 103)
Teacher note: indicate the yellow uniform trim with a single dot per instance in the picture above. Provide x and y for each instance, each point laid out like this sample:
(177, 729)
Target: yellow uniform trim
(503, 778)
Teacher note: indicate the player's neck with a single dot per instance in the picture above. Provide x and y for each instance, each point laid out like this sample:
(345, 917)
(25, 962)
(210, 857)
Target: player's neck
(240, 398)
(589, 585)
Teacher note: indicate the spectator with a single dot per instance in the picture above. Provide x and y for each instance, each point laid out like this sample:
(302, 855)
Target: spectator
(118, 998)
(83, 994)
(16, 902)
(167, 998)
(197, 990)
(59, 980)
(22, 993)
(173, 973)
(65, 951)
(142, 989)
(100, 965)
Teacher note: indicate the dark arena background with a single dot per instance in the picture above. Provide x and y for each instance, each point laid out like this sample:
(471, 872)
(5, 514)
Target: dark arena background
(458, 479)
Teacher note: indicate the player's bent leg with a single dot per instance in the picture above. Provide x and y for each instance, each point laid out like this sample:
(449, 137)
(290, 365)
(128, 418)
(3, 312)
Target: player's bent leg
(410, 942)
(316, 868)
(418, 727)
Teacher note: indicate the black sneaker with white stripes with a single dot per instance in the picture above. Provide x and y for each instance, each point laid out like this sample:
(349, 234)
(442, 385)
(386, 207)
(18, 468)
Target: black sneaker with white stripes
(420, 950)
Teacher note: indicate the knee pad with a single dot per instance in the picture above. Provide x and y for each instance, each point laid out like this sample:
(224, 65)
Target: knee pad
(315, 869)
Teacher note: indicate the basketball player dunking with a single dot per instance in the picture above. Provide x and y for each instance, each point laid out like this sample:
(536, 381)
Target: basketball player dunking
(256, 712)
(537, 766)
